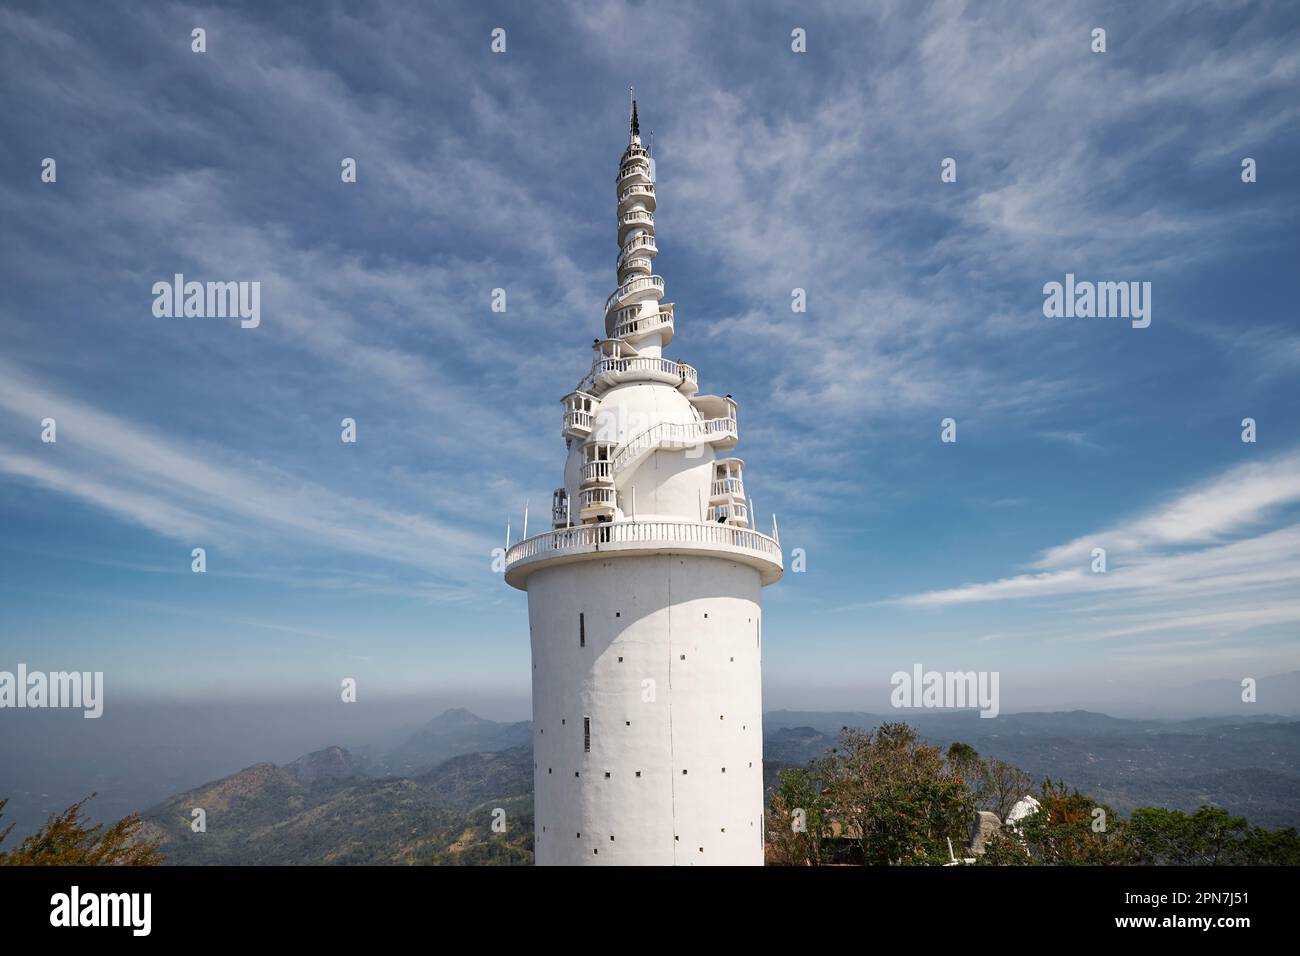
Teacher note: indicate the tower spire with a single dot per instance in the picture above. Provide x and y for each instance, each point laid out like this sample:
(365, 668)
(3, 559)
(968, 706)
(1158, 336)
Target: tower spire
(639, 439)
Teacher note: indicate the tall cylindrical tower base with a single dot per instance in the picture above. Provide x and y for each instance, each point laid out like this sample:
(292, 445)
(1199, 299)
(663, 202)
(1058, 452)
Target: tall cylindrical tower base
(647, 710)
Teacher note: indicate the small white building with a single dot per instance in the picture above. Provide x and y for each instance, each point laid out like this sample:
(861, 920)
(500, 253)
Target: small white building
(643, 598)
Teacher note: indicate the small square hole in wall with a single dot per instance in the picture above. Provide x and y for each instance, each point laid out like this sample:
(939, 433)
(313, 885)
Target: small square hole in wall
(576, 774)
(620, 660)
(706, 613)
(638, 773)
(548, 769)
(618, 613)
(733, 660)
(578, 835)
(724, 769)
(677, 838)
(683, 773)
(683, 657)
(594, 852)
(611, 838)
(606, 774)
(701, 849)
(628, 722)
(561, 721)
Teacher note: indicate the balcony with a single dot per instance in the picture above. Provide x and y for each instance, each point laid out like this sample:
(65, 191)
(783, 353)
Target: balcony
(638, 264)
(638, 192)
(644, 244)
(633, 287)
(631, 323)
(735, 514)
(634, 219)
(634, 151)
(596, 502)
(631, 168)
(727, 488)
(719, 429)
(578, 424)
(607, 372)
(598, 472)
(593, 541)
(579, 414)
(720, 408)
(560, 508)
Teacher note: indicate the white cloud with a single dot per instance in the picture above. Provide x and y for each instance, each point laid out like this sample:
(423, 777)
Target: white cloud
(188, 495)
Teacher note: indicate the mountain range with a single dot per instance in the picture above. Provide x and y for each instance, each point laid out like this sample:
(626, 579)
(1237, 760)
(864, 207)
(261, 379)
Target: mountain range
(436, 797)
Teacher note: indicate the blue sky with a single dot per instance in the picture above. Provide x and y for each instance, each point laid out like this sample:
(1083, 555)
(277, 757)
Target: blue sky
(775, 171)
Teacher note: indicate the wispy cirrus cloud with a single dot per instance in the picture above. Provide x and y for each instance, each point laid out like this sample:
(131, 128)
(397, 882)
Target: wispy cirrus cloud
(1218, 558)
(212, 499)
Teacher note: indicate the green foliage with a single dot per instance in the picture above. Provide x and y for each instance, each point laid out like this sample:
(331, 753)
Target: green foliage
(892, 799)
(1066, 831)
(1208, 837)
(796, 791)
(67, 840)
(896, 799)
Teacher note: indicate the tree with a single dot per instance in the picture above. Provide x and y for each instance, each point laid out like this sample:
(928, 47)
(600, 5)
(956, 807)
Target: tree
(67, 840)
(1063, 832)
(796, 821)
(896, 799)
(1208, 837)
(1002, 785)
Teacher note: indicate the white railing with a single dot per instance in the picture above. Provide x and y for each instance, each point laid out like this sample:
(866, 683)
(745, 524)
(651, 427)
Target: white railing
(643, 241)
(728, 486)
(642, 323)
(589, 536)
(598, 471)
(636, 217)
(627, 313)
(666, 366)
(674, 436)
(590, 498)
(578, 421)
(611, 366)
(631, 287)
(634, 150)
(636, 189)
(637, 263)
(631, 168)
(720, 513)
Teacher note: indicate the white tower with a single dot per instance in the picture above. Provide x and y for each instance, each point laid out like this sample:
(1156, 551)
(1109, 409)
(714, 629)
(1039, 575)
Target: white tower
(643, 600)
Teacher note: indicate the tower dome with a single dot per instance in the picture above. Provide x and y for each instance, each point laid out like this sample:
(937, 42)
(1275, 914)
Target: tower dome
(643, 598)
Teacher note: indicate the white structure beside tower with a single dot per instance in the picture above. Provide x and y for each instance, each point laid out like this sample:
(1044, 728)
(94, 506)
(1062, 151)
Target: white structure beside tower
(643, 598)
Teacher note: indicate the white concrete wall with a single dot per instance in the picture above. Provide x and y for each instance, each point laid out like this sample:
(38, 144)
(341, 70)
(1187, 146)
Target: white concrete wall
(645, 618)
(669, 484)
